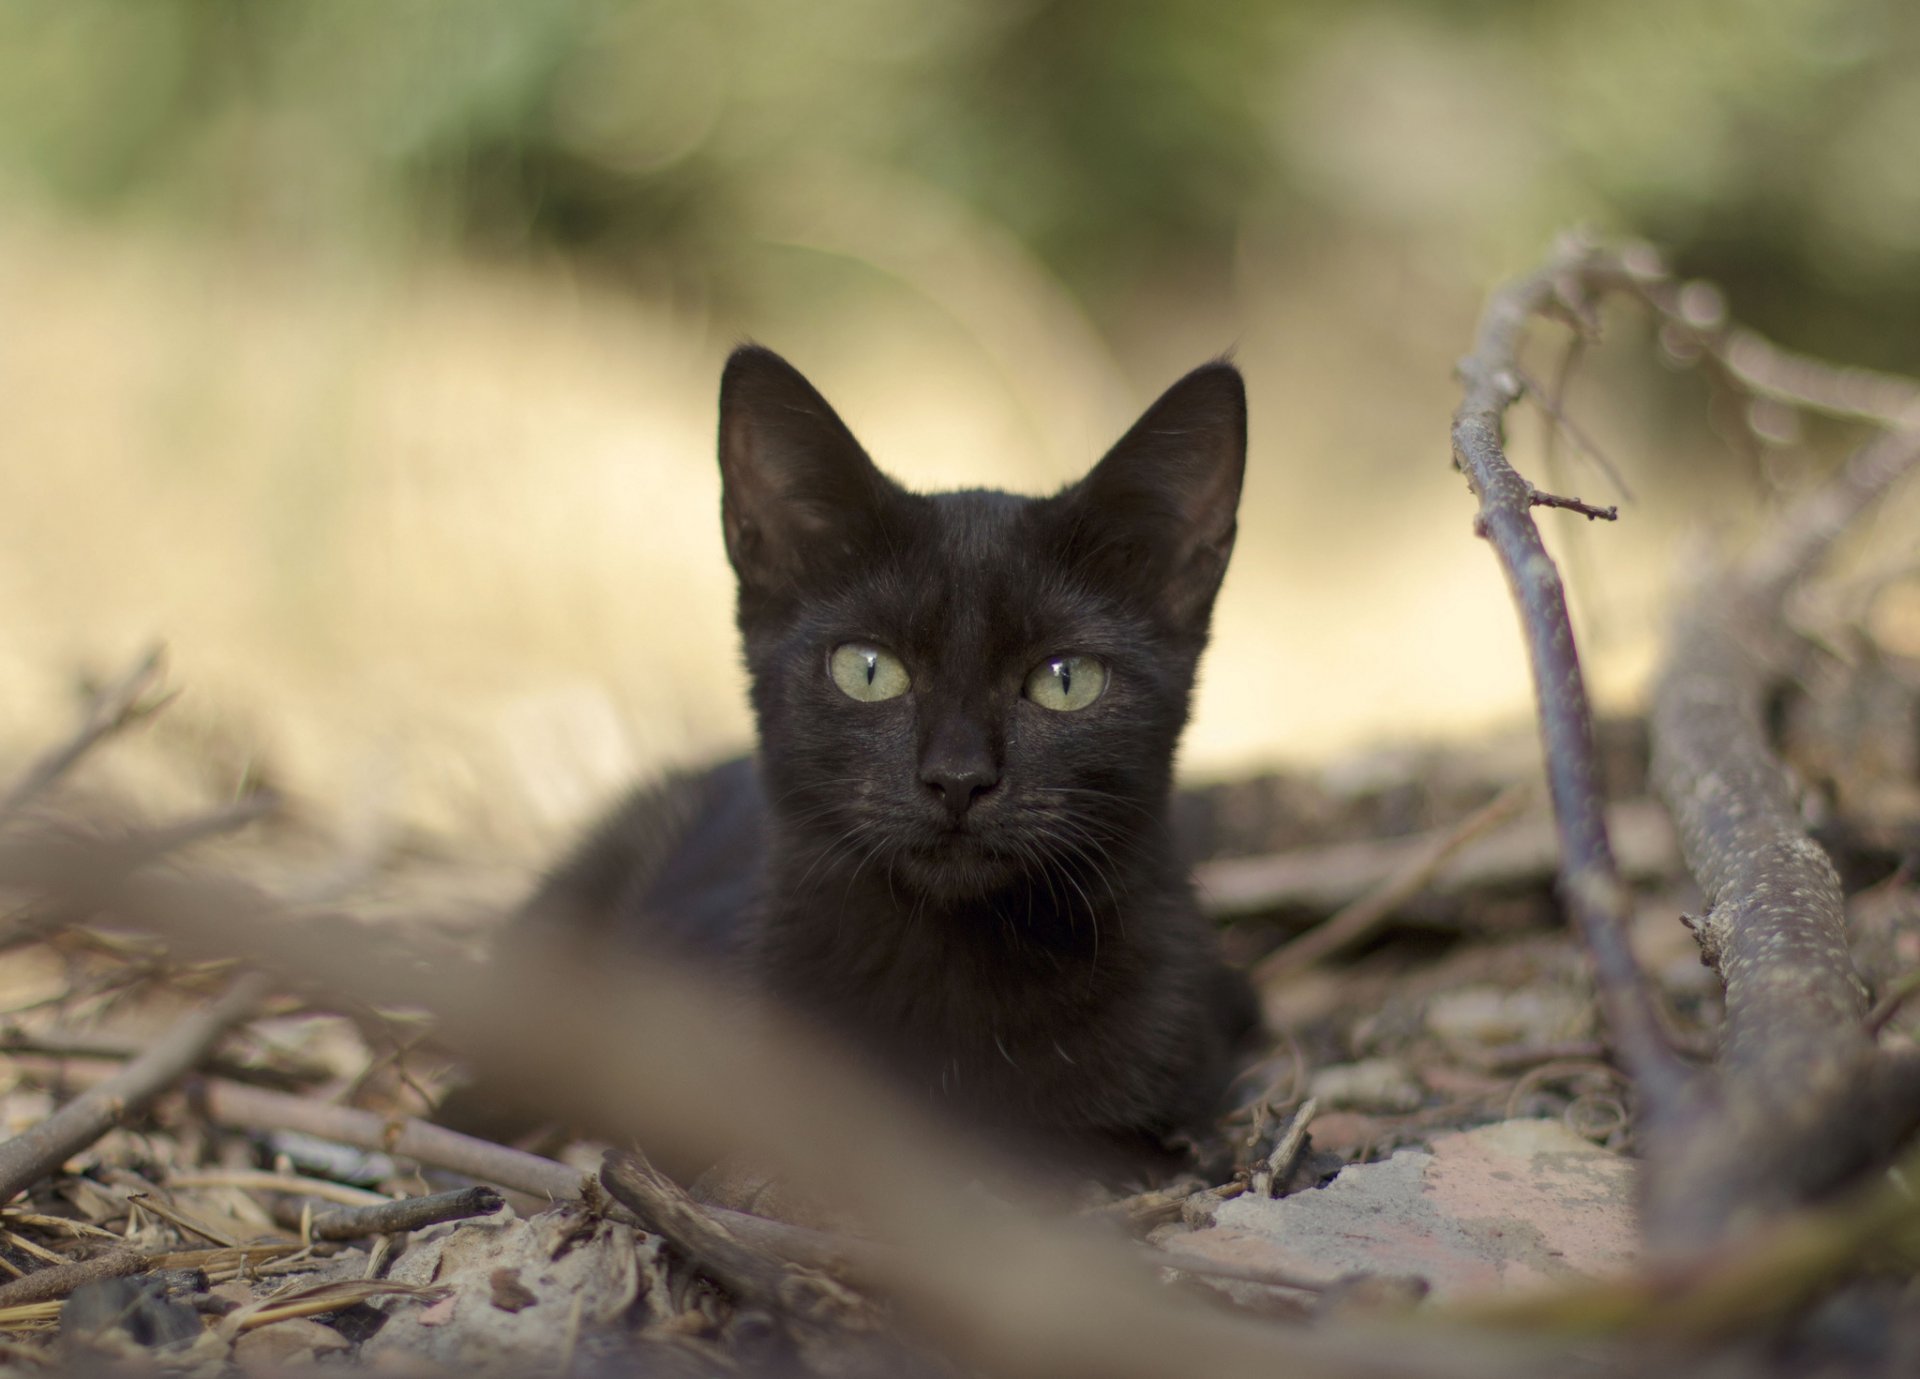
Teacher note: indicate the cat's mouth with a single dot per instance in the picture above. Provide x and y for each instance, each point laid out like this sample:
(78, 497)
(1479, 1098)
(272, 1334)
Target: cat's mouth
(958, 863)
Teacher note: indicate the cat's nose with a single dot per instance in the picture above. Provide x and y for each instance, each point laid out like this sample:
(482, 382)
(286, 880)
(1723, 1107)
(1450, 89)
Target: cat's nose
(958, 784)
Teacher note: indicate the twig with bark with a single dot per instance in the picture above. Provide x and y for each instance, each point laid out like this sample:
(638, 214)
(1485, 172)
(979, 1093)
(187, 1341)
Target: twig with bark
(1804, 1097)
(1361, 917)
(51, 1284)
(1801, 1097)
(1599, 901)
(40, 1150)
(406, 1214)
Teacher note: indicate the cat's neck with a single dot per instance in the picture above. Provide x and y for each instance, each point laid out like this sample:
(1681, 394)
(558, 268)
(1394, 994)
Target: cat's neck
(1057, 911)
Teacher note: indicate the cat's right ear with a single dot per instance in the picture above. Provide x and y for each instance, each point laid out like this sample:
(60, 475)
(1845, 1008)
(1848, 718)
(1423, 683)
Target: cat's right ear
(797, 492)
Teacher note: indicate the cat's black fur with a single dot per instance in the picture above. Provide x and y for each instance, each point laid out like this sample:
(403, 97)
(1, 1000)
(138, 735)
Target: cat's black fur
(978, 894)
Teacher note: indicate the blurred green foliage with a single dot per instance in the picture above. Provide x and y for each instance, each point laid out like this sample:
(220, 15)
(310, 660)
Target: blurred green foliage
(1770, 142)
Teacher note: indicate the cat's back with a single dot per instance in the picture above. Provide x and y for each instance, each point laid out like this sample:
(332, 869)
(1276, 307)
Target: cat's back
(676, 867)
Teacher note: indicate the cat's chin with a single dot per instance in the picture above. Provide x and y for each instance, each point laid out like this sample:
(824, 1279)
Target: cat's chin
(957, 867)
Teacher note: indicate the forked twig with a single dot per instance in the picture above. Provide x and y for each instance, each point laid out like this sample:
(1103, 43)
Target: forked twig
(1589, 880)
(1801, 1097)
(122, 702)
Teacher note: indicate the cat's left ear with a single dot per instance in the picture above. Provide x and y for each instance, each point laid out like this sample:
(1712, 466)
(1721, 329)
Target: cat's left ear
(798, 494)
(1159, 509)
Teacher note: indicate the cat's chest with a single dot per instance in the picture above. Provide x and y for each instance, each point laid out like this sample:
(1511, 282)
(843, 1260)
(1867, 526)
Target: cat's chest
(964, 984)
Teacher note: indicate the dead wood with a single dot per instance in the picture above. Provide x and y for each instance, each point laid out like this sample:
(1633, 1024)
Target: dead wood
(1804, 1097)
(1326, 878)
(1801, 1098)
(1590, 882)
(57, 1281)
(1354, 921)
(40, 1150)
(407, 1214)
(664, 1208)
(820, 1314)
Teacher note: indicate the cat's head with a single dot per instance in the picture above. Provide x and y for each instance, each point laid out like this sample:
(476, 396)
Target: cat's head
(970, 691)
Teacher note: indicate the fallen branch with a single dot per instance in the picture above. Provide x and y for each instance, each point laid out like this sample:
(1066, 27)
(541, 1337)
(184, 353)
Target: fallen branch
(1801, 1099)
(1804, 1098)
(1329, 877)
(1589, 878)
(1355, 921)
(407, 1214)
(750, 1273)
(39, 1151)
(49, 1285)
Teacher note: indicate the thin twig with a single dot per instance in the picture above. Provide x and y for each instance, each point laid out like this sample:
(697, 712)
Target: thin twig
(407, 1214)
(1696, 313)
(750, 1273)
(1539, 498)
(1553, 403)
(1891, 1001)
(1272, 1175)
(1359, 919)
(119, 704)
(39, 1151)
(1590, 881)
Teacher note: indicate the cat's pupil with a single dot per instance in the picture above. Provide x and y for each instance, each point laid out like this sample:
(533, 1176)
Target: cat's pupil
(873, 666)
(1064, 670)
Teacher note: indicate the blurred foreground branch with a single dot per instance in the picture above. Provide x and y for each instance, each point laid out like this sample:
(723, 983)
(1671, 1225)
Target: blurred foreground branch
(994, 1284)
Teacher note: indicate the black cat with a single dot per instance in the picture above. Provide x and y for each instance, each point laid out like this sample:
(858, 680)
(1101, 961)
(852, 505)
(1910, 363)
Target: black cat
(953, 849)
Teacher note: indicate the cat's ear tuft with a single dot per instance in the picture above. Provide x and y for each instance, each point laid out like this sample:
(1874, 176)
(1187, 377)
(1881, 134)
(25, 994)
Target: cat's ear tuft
(1161, 507)
(797, 491)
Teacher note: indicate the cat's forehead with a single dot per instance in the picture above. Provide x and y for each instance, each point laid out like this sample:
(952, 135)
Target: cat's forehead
(979, 568)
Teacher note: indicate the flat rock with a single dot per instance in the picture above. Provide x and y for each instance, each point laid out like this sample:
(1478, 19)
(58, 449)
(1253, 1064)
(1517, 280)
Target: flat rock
(514, 1289)
(1520, 1204)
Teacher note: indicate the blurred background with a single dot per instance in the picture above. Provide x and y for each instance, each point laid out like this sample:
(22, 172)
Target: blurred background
(366, 353)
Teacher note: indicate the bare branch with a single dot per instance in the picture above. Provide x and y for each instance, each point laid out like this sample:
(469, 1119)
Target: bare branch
(1333, 875)
(1360, 918)
(122, 702)
(1589, 879)
(49, 1285)
(1805, 1098)
(407, 1214)
(39, 1151)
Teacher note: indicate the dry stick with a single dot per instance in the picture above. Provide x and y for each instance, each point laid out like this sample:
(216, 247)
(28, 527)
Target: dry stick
(407, 1214)
(39, 1151)
(1333, 875)
(1805, 1098)
(116, 706)
(750, 1273)
(47, 1285)
(1697, 312)
(1355, 921)
(253, 1108)
(1590, 882)
(1891, 1000)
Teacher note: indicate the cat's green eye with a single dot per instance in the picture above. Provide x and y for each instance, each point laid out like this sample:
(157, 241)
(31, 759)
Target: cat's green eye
(868, 673)
(1066, 683)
